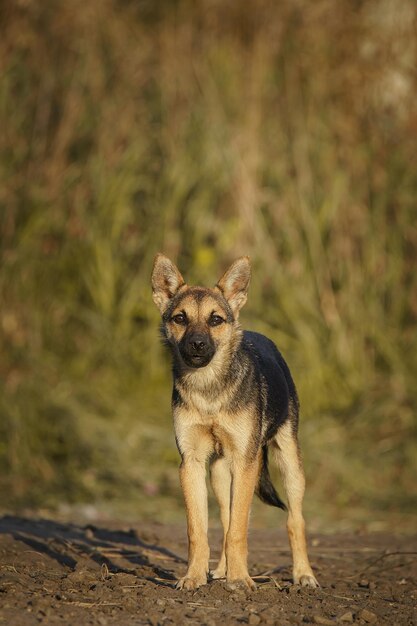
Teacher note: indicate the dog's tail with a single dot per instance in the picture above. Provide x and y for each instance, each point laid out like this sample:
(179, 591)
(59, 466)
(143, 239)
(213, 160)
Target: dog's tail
(265, 490)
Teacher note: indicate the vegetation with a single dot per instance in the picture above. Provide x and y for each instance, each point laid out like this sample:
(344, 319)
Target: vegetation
(206, 130)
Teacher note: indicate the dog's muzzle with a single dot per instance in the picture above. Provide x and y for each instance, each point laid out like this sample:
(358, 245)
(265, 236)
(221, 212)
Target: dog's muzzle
(197, 350)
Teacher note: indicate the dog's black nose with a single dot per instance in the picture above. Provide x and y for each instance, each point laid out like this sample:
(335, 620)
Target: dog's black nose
(199, 345)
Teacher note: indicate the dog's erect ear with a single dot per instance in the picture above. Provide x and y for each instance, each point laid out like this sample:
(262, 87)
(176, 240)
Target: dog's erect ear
(166, 280)
(235, 282)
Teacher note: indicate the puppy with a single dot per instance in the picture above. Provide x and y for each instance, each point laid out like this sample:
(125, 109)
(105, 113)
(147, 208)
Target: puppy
(233, 399)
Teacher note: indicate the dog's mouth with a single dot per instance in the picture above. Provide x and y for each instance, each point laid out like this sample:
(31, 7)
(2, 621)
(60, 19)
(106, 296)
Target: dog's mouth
(197, 360)
(196, 349)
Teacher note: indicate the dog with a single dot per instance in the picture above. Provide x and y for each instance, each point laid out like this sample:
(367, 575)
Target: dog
(233, 399)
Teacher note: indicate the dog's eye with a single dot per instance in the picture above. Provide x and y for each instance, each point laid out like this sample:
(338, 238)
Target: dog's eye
(215, 320)
(180, 318)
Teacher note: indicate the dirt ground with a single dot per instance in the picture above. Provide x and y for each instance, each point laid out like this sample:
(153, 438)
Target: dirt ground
(67, 573)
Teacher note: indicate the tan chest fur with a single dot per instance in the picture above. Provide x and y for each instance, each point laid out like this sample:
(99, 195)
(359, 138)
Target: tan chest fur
(203, 427)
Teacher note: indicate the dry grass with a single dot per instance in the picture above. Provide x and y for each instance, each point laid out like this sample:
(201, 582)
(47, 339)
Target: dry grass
(206, 131)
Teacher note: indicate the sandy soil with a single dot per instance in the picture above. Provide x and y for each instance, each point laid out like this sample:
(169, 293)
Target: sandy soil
(112, 574)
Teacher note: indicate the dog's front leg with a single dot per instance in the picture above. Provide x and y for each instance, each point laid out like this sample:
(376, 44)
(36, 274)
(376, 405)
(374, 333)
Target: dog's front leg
(193, 483)
(244, 477)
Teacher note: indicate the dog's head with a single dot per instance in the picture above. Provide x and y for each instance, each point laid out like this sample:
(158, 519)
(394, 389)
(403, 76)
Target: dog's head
(198, 321)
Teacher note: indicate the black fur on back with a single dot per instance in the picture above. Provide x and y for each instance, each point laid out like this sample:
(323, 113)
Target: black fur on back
(265, 490)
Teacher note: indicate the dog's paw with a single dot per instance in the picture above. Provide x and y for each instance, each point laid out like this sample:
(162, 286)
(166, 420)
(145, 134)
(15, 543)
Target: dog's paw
(219, 572)
(189, 583)
(309, 581)
(246, 582)
(306, 580)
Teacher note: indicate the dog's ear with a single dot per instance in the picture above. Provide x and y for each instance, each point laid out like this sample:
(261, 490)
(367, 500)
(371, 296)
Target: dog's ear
(166, 280)
(235, 282)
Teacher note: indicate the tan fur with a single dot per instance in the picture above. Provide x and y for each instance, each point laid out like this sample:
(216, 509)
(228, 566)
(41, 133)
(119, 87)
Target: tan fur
(193, 483)
(289, 461)
(198, 313)
(221, 482)
(166, 280)
(244, 478)
(234, 283)
(198, 435)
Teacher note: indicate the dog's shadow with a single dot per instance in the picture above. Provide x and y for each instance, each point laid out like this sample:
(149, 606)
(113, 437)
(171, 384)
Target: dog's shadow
(74, 546)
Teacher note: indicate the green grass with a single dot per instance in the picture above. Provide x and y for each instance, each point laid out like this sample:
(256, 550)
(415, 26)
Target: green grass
(206, 132)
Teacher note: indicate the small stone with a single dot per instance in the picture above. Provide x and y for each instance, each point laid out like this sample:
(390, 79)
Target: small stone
(368, 616)
(160, 602)
(254, 619)
(346, 617)
(324, 621)
(364, 583)
(372, 586)
(89, 533)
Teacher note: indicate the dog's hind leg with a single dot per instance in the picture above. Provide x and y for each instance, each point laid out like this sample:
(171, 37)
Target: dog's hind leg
(221, 480)
(290, 464)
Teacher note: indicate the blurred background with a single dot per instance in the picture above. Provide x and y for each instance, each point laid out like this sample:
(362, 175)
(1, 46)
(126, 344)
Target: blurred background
(206, 130)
